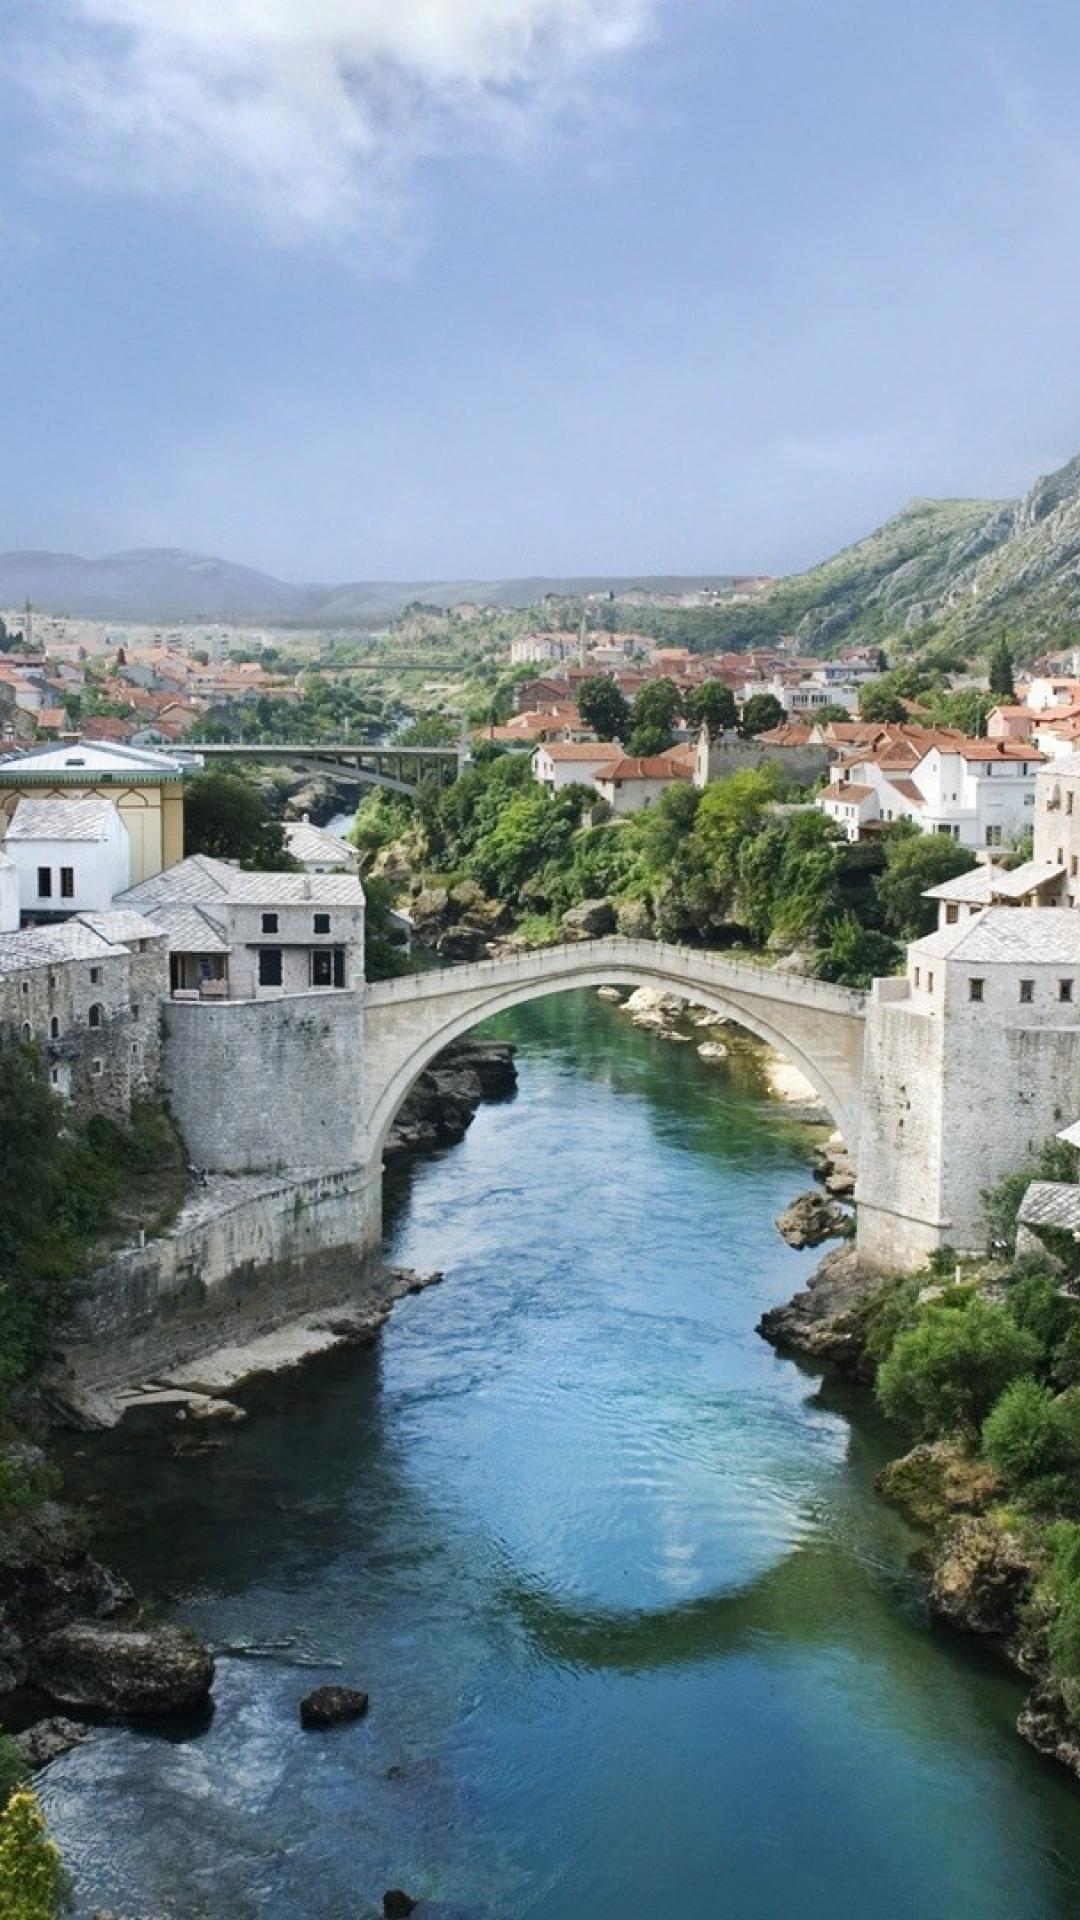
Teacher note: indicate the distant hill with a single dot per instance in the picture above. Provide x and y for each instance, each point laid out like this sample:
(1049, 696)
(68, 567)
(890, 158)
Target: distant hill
(168, 583)
(942, 572)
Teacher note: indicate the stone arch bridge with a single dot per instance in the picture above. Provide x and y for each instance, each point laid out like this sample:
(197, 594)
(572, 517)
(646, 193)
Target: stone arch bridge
(407, 1022)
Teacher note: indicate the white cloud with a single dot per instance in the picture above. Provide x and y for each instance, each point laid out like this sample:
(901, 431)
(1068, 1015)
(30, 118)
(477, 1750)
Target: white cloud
(308, 115)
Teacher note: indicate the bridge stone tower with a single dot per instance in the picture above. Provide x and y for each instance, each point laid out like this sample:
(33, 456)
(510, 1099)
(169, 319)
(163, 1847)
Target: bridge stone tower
(972, 1061)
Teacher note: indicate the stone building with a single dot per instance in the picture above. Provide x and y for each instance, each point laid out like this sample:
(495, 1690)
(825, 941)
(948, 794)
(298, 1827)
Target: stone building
(972, 1061)
(88, 992)
(255, 936)
(1057, 821)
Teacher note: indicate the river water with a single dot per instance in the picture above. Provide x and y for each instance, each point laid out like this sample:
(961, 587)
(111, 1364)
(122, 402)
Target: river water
(640, 1640)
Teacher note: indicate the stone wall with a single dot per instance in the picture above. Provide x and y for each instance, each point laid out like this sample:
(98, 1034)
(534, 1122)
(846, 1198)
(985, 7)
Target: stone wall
(244, 1256)
(267, 1086)
(804, 765)
(99, 1068)
(899, 1191)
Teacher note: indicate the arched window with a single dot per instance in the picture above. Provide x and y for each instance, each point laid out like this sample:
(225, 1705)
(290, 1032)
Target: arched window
(95, 1014)
(27, 1032)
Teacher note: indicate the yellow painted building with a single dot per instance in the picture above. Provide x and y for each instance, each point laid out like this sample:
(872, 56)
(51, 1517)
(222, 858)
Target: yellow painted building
(146, 787)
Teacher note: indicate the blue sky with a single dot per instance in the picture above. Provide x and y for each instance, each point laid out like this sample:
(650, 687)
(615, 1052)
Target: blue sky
(450, 288)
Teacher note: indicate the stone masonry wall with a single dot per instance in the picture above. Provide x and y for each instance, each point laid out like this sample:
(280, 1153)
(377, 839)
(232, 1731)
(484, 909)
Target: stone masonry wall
(269, 1085)
(244, 1256)
(899, 1188)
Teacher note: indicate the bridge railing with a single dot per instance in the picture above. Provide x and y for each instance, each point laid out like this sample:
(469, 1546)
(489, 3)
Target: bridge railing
(670, 965)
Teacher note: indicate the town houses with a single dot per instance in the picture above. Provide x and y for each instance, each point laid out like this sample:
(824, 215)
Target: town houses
(978, 792)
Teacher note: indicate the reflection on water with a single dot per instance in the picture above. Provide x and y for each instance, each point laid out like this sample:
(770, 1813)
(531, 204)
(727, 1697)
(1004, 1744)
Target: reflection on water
(638, 1636)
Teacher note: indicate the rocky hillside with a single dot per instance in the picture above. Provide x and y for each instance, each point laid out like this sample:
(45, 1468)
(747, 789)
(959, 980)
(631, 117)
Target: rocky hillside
(945, 572)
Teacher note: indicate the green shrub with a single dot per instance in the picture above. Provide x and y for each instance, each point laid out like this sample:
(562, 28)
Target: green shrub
(1036, 1303)
(31, 1876)
(1020, 1435)
(945, 1372)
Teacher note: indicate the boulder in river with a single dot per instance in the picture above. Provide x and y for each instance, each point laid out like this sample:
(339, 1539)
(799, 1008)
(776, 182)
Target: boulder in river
(397, 1905)
(141, 1673)
(332, 1707)
(810, 1219)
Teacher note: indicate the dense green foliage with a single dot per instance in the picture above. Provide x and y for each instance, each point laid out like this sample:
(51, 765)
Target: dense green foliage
(1055, 1160)
(761, 713)
(712, 704)
(730, 865)
(945, 1372)
(226, 816)
(999, 670)
(604, 707)
(914, 862)
(57, 1193)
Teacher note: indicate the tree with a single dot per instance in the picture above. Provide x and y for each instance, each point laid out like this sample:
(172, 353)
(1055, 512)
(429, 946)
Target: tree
(653, 714)
(384, 955)
(761, 713)
(946, 1371)
(879, 702)
(645, 742)
(31, 1874)
(1022, 1436)
(227, 817)
(856, 955)
(603, 707)
(1000, 670)
(915, 861)
(712, 704)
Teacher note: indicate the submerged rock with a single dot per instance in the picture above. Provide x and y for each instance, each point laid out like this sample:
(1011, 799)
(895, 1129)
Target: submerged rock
(712, 1050)
(397, 1905)
(145, 1672)
(657, 1012)
(332, 1707)
(981, 1578)
(810, 1219)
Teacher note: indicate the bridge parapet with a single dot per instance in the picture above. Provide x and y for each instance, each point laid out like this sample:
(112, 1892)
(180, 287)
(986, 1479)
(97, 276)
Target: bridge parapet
(814, 1024)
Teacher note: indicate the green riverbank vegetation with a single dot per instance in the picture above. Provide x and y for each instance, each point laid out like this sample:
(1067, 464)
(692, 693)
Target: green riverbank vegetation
(979, 1366)
(749, 863)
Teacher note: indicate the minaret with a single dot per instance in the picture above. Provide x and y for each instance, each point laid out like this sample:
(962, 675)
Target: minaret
(581, 642)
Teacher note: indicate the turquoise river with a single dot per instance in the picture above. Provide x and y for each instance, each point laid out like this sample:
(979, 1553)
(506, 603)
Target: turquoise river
(639, 1636)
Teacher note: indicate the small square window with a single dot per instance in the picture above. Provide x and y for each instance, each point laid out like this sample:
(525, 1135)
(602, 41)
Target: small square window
(975, 989)
(952, 914)
(1065, 989)
(97, 1068)
(322, 923)
(1027, 992)
(269, 923)
(44, 883)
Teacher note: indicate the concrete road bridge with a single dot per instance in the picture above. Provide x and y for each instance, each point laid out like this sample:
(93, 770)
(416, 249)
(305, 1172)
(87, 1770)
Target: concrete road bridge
(819, 1028)
(399, 769)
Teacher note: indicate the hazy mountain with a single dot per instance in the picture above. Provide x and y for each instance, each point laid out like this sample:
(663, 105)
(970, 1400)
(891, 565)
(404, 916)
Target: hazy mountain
(944, 571)
(948, 571)
(167, 583)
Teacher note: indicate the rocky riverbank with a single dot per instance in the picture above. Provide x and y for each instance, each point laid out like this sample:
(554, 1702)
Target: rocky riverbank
(983, 1564)
(445, 1099)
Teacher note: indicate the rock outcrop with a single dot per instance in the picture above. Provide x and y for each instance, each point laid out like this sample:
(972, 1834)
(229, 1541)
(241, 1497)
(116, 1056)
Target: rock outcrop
(443, 1103)
(1045, 1724)
(811, 1218)
(820, 1322)
(126, 1673)
(49, 1740)
(592, 920)
(936, 1481)
(981, 1578)
(47, 1580)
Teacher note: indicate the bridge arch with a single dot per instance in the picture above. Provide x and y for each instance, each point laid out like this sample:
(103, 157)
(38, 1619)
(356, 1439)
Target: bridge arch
(407, 1023)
